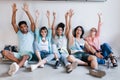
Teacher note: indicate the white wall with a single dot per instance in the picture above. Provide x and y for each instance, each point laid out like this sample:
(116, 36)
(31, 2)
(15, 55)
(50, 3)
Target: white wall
(85, 15)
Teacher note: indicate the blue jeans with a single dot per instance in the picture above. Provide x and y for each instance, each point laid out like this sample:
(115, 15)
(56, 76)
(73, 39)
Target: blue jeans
(106, 51)
(46, 55)
(63, 57)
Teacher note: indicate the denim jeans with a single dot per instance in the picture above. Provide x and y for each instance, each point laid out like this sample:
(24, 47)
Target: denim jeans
(63, 57)
(46, 55)
(106, 51)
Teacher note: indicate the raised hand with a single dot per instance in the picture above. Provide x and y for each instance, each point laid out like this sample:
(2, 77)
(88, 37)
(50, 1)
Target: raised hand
(99, 16)
(37, 13)
(14, 7)
(25, 7)
(48, 14)
(71, 13)
(36, 18)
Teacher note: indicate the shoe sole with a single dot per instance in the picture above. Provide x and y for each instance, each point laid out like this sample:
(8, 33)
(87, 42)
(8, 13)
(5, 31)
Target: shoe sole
(97, 73)
(12, 70)
(73, 65)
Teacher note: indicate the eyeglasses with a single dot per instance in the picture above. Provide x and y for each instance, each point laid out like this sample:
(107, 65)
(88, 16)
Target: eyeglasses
(93, 30)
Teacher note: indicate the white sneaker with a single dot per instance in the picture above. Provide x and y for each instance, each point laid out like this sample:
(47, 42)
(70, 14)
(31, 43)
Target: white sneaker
(14, 67)
(33, 67)
(42, 66)
(26, 64)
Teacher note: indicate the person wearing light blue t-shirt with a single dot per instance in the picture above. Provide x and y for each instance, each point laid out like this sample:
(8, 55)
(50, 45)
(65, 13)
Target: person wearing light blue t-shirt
(42, 45)
(25, 41)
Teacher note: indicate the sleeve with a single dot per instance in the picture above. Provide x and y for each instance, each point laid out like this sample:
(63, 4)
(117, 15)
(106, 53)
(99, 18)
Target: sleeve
(49, 36)
(35, 46)
(36, 34)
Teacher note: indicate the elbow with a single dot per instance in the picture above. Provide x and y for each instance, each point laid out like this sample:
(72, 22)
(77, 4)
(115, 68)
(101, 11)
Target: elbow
(12, 23)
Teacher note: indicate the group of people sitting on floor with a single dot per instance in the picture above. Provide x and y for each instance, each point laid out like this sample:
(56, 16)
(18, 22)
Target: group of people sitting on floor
(61, 43)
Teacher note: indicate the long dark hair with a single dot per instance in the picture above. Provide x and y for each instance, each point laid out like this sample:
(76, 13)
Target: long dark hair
(43, 28)
(74, 31)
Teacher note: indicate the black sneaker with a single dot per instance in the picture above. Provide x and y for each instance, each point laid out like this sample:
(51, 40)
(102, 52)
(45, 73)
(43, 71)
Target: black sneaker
(57, 64)
(97, 73)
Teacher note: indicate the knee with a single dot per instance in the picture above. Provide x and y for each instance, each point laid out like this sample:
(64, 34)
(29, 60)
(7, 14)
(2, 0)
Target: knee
(92, 58)
(70, 57)
(105, 44)
(4, 52)
(25, 57)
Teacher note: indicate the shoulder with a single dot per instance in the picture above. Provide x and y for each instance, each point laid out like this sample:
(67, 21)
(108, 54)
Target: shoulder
(30, 32)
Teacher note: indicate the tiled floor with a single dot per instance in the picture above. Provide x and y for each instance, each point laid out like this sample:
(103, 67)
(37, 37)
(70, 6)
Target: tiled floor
(48, 73)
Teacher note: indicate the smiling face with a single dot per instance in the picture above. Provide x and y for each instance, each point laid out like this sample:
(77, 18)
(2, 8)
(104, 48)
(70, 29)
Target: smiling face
(23, 28)
(59, 31)
(43, 33)
(93, 32)
(78, 32)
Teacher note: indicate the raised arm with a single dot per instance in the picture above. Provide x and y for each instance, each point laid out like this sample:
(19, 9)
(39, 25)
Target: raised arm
(49, 26)
(67, 24)
(36, 24)
(48, 17)
(13, 22)
(99, 24)
(25, 8)
(53, 24)
(37, 13)
(70, 35)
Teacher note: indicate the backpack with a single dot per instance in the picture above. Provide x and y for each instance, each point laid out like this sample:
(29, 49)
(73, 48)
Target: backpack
(11, 48)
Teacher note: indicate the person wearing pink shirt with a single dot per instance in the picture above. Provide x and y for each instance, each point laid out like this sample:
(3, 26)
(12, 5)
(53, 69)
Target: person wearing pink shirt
(104, 49)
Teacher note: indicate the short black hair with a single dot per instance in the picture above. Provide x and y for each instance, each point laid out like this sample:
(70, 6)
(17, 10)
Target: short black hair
(61, 25)
(74, 32)
(43, 28)
(22, 22)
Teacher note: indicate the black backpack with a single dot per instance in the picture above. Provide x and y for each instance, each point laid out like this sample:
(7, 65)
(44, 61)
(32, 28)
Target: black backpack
(11, 48)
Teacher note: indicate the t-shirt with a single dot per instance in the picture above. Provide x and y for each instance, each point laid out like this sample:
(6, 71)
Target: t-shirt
(43, 45)
(95, 43)
(25, 42)
(61, 42)
(77, 46)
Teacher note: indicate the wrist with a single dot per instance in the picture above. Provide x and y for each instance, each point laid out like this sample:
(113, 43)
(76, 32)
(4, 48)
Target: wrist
(27, 11)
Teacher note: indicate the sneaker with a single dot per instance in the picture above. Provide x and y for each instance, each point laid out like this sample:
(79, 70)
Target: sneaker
(14, 67)
(70, 67)
(26, 64)
(42, 66)
(97, 73)
(33, 67)
(57, 64)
